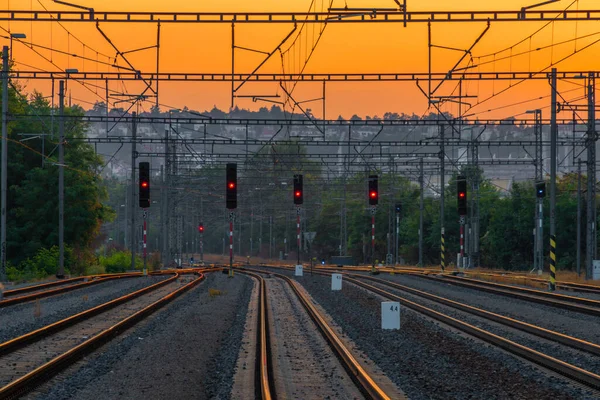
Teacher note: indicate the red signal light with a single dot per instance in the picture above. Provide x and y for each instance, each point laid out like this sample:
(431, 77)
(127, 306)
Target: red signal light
(144, 184)
(200, 228)
(231, 185)
(461, 194)
(373, 195)
(298, 193)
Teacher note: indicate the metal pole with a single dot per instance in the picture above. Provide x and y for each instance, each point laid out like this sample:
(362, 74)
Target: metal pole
(373, 236)
(157, 59)
(230, 243)
(578, 257)
(397, 235)
(232, 62)
(163, 208)
(270, 238)
(202, 233)
(539, 207)
(422, 183)
(61, 181)
(144, 234)
(133, 210)
(553, 137)
(591, 180)
(442, 198)
(4, 160)
(540, 236)
(324, 114)
(298, 231)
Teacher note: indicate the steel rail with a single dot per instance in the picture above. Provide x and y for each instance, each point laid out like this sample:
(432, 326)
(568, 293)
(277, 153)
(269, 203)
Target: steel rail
(570, 286)
(19, 342)
(364, 381)
(27, 382)
(568, 370)
(264, 357)
(41, 286)
(32, 288)
(51, 292)
(555, 299)
(372, 15)
(510, 322)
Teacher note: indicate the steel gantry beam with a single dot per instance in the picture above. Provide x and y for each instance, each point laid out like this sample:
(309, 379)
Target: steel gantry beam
(304, 77)
(206, 120)
(325, 143)
(337, 16)
(383, 165)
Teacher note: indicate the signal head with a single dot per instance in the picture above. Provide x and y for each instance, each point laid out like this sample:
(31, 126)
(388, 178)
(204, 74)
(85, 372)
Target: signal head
(373, 190)
(298, 195)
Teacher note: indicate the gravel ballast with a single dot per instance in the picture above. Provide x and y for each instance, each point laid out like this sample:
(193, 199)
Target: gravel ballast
(188, 349)
(430, 361)
(23, 318)
(583, 326)
(304, 366)
(587, 361)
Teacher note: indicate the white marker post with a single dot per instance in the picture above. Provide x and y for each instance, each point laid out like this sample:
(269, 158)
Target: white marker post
(390, 315)
(298, 270)
(596, 269)
(336, 281)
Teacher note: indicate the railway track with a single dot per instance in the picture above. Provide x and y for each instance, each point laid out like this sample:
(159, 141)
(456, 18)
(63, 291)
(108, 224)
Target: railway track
(268, 388)
(31, 359)
(34, 292)
(572, 303)
(568, 286)
(581, 376)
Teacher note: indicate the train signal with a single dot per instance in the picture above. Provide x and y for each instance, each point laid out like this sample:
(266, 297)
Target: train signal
(461, 193)
(144, 183)
(231, 186)
(373, 191)
(540, 190)
(298, 190)
(398, 208)
(201, 227)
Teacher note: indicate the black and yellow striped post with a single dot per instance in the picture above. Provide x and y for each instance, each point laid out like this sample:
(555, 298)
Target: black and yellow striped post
(443, 251)
(552, 262)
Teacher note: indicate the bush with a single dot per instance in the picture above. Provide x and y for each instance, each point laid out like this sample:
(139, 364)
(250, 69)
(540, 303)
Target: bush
(119, 261)
(43, 264)
(95, 269)
(154, 261)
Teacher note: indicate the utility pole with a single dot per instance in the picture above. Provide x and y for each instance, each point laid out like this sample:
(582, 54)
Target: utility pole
(538, 259)
(270, 237)
(422, 183)
(298, 232)
(61, 181)
(133, 210)
(474, 242)
(578, 257)
(166, 209)
(553, 138)
(591, 179)
(397, 235)
(163, 215)
(442, 184)
(4, 161)
(202, 233)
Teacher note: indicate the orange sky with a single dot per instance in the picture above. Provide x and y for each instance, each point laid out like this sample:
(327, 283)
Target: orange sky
(343, 48)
